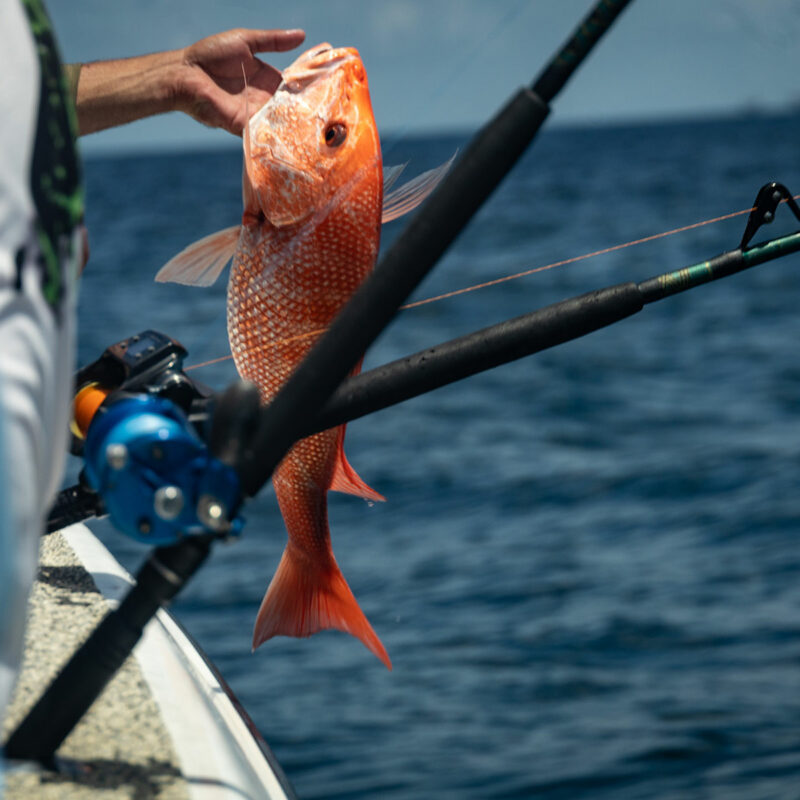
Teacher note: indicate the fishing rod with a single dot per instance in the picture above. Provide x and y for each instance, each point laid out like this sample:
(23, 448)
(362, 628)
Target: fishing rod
(487, 159)
(548, 327)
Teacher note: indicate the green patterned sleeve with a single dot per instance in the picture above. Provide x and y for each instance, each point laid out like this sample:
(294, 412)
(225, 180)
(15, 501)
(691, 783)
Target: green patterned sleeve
(72, 74)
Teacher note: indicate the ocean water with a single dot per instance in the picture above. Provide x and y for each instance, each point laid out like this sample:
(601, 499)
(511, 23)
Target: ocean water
(587, 570)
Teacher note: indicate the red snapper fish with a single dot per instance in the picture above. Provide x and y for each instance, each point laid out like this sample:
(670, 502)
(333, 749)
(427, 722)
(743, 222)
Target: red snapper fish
(313, 191)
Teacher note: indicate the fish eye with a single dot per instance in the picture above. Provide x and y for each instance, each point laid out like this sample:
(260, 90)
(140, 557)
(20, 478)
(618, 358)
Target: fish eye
(335, 134)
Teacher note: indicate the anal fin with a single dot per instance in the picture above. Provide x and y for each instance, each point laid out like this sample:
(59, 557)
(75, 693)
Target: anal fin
(346, 479)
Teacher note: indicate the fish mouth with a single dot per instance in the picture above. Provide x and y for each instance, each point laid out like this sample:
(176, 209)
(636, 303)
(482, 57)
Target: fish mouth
(314, 64)
(320, 49)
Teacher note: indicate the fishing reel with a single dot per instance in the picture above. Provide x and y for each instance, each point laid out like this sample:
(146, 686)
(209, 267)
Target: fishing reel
(142, 427)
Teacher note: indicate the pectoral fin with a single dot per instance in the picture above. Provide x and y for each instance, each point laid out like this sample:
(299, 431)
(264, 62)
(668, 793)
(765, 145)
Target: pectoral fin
(201, 263)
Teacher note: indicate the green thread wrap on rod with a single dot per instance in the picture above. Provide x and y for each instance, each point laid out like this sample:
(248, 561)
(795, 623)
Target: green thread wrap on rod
(721, 266)
(774, 248)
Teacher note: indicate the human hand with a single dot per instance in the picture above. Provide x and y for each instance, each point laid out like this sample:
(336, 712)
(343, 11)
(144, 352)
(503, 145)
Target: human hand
(210, 85)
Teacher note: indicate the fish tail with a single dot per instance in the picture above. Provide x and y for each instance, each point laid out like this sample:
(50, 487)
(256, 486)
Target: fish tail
(303, 599)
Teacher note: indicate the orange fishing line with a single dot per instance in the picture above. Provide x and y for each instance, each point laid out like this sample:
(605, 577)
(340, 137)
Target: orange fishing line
(523, 274)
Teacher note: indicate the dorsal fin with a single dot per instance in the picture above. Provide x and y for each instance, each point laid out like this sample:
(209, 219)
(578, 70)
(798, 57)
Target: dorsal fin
(408, 196)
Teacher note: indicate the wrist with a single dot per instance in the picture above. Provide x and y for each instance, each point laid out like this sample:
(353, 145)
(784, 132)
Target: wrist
(153, 83)
(180, 96)
(164, 76)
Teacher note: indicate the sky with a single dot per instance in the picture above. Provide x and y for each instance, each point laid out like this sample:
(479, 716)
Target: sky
(437, 65)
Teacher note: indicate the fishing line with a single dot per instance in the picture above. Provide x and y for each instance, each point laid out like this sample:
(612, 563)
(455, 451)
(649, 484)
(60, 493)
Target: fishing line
(574, 259)
(515, 276)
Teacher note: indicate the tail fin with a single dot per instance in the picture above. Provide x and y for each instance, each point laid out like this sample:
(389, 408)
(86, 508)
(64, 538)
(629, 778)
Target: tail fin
(303, 599)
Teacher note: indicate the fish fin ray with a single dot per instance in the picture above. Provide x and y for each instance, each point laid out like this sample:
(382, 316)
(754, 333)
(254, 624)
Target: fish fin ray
(303, 599)
(250, 198)
(201, 263)
(391, 174)
(346, 479)
(408, 196)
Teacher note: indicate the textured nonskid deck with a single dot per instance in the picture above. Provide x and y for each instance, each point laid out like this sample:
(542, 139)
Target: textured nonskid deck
(120, 749)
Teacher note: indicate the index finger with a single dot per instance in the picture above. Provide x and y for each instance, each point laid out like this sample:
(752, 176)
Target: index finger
(272, 41)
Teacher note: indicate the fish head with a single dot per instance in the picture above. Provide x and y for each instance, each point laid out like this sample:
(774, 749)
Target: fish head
(315, 138)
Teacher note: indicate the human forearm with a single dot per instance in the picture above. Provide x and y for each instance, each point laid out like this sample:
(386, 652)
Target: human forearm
(212, 80)
(112, 93)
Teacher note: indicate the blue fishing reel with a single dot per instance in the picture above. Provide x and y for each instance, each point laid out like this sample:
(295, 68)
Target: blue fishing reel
(158, 459)
(157, 479)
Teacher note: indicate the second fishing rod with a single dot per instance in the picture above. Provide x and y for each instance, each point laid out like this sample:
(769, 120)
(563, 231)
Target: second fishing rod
(548, 327)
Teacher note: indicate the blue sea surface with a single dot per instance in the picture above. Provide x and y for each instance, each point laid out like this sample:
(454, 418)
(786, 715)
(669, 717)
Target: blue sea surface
(587, 570)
